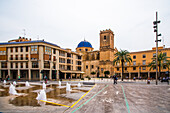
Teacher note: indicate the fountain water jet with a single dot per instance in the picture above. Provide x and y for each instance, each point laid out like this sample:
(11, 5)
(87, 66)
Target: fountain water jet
(4, 81)
(68, 87)
(42, 95)
(59, 83)
(44, 85)
(12, 90)
(79, 85)
(27, 84)
(14, 83)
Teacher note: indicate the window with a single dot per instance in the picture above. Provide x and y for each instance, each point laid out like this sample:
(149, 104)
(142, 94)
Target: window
(26, 56)
(143, 68)
(134, 56)
(11, 57)
(11, 49)
(21, 65)
(102, 70)
(34, 48)
(47, 49)
(105, 37)
(54, 51)
(117, 69)
(21, 49)
(144, 56)
(79, 57)
(49, 57)
(92, 66)
(26, 48)
(54, 58)
(79, 49)
(21, 57)
(134, 68)
(16, 57)
(53, 65)
(4, 65)
(164, 67)
(16, 49)
(46, 65)
(154, 54)
(11, 65)
(61, 60)
(164, 53)
(86, 66)
(34, 64)
(125, 63)
(26, 64)
(144, 62)
(86, 49)
(16, 65)
(134, 63)
(125, 68)
(61, 53)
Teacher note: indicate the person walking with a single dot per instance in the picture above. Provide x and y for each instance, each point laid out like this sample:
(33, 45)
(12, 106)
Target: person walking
(7, 78)
(115, 79)
(45, 78)
(19, 77)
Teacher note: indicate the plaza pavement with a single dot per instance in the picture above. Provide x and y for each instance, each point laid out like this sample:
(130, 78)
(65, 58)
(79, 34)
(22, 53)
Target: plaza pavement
(125, 97)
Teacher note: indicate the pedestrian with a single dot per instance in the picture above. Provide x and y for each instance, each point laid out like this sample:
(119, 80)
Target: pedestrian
(19, 77)
(7, 78)
(134, 78)
(45, 78)
(115, 79)
(69, 78)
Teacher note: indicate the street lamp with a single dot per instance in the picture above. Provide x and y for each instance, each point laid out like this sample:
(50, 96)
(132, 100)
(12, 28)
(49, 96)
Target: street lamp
(156, 30)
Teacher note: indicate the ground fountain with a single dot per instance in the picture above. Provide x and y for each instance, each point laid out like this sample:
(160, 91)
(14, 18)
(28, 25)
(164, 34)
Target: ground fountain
(14, 83)
(68, 88)
(42, 95)
(4, 81)
(79, 85)
(27, 84)
(44, 85)
(12, 90)
(59, 83)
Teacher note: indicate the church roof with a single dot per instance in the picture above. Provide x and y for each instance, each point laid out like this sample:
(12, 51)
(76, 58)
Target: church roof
(84, 44)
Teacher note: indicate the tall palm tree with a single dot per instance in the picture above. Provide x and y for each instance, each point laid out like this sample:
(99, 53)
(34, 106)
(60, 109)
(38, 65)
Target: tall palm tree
(162, 62)
(122, 56)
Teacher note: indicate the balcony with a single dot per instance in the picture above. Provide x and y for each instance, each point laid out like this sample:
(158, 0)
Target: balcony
(18, 58)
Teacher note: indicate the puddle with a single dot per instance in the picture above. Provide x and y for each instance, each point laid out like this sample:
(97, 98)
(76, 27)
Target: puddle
(30, 98)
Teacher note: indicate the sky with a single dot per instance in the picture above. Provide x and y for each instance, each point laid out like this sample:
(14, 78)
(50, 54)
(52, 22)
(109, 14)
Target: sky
(68, 22)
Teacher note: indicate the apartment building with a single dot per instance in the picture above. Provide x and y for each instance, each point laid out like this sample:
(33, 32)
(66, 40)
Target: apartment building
(32, 60)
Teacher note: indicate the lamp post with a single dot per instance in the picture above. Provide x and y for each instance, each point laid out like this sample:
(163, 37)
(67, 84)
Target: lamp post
(156, 30)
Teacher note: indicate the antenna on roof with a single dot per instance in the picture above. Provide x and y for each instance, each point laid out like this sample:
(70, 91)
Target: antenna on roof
(24, 32)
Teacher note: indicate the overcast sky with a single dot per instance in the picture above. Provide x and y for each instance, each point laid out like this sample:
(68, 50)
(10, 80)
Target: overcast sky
(67, 22)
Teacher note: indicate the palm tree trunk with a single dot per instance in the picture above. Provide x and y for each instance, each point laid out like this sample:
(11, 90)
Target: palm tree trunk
(159, 71)
(122, 71)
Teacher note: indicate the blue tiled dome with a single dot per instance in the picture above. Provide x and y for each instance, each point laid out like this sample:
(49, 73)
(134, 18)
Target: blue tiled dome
(84, 44)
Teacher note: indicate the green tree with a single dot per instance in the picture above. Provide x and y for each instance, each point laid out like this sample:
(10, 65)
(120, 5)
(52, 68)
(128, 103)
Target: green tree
(93, 73)
(122, 56)
(162, 62)
(106, 73)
